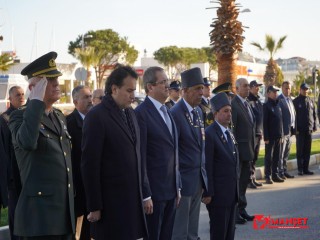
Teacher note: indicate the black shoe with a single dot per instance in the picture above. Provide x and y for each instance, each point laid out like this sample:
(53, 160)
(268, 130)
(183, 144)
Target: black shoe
(300, 173)
(288, 175)
(276, 178)
(243, 213)
(308, 172)
(240, 220)
(252, 185)
(257, 183)
(282, 176)
(269, 181)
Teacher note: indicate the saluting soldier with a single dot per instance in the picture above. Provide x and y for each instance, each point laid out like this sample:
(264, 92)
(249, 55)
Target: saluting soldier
(174, 94)
(205, 104)
(45, 208)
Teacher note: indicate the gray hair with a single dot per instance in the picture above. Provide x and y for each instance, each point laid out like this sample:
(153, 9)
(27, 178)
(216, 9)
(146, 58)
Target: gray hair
(12, 89)
(149, 76)
(76, 90)
(97, 92)
(239, 81)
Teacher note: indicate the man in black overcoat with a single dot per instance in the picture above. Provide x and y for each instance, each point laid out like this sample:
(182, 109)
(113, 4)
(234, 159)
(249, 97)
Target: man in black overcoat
(111, 162)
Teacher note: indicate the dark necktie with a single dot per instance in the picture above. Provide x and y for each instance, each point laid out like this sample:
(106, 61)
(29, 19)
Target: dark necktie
(248, 110)
(196, 123)
(54, 121)
(230, 143)
(163, 108)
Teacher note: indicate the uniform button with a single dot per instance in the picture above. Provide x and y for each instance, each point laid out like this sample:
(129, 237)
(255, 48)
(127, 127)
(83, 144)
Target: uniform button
(48, 135)
(68, 169)
(60, 138)
(39, 193)
(65, 154)
(69, 185)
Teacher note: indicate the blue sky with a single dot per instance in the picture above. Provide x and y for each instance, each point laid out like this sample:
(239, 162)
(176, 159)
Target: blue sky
(151, 24)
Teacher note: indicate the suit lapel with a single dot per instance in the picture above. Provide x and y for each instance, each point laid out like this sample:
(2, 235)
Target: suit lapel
(154, 113)
(79, 119)
(223, 139)
(116, 116)
(244, 110)
(188, 118)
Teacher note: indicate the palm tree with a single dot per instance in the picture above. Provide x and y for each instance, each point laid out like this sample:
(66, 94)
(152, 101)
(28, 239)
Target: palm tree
(87, 58)
(226, 40)
(271, 46)
(5, 62)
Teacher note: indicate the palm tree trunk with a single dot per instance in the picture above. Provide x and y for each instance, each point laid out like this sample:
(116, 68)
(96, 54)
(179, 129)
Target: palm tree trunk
(227, 69)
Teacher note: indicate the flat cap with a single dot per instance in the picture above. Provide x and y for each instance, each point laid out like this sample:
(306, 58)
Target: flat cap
(191, 77)
(206, 82)
(272, 89)
(304, 86)
(42, 66)
(175, 85)
(254, 83)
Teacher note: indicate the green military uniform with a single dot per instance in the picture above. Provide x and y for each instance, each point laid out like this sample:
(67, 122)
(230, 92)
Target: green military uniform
(43, 153)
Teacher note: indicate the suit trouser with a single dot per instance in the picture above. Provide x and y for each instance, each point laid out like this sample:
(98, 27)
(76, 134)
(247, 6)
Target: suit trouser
(244, 167)
(12, 203)
(186, 223)
(272, 157)
(222, 221)
(303, 150)
(58, 237)
(285, 151)
(160, 222)
(255, 158)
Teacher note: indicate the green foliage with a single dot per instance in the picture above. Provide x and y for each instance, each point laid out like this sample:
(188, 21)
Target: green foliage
(105, 49)
(299, 79)
(271, 46)
(279, 77)
(179, 59)
(211, 58)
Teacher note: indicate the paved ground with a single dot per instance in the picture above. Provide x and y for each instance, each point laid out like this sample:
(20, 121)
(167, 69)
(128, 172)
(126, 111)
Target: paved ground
(296, 198)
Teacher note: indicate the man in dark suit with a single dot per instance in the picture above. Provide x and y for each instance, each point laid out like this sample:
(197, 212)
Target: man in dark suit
(191, 137)
(174, 94)
(289, 122)
(10, 178)
(256, 106)
(111, 162)
(272, 134)
(244, 131)
(306, 124)
(205, 104)
(222, 165)
(82, 100)
(159, 154)
(45, 209)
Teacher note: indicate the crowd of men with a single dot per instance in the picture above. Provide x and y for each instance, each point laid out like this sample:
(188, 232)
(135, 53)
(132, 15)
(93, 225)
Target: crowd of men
(107, 171)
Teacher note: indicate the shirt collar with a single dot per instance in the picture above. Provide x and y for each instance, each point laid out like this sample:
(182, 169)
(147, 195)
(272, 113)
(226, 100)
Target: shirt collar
(81, 115)
(188, 105)
(243, 100)
(223, 129)
(156, 103)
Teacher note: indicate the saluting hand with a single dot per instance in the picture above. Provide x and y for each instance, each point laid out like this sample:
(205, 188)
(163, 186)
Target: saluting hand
(37, 88)
(148, 206)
